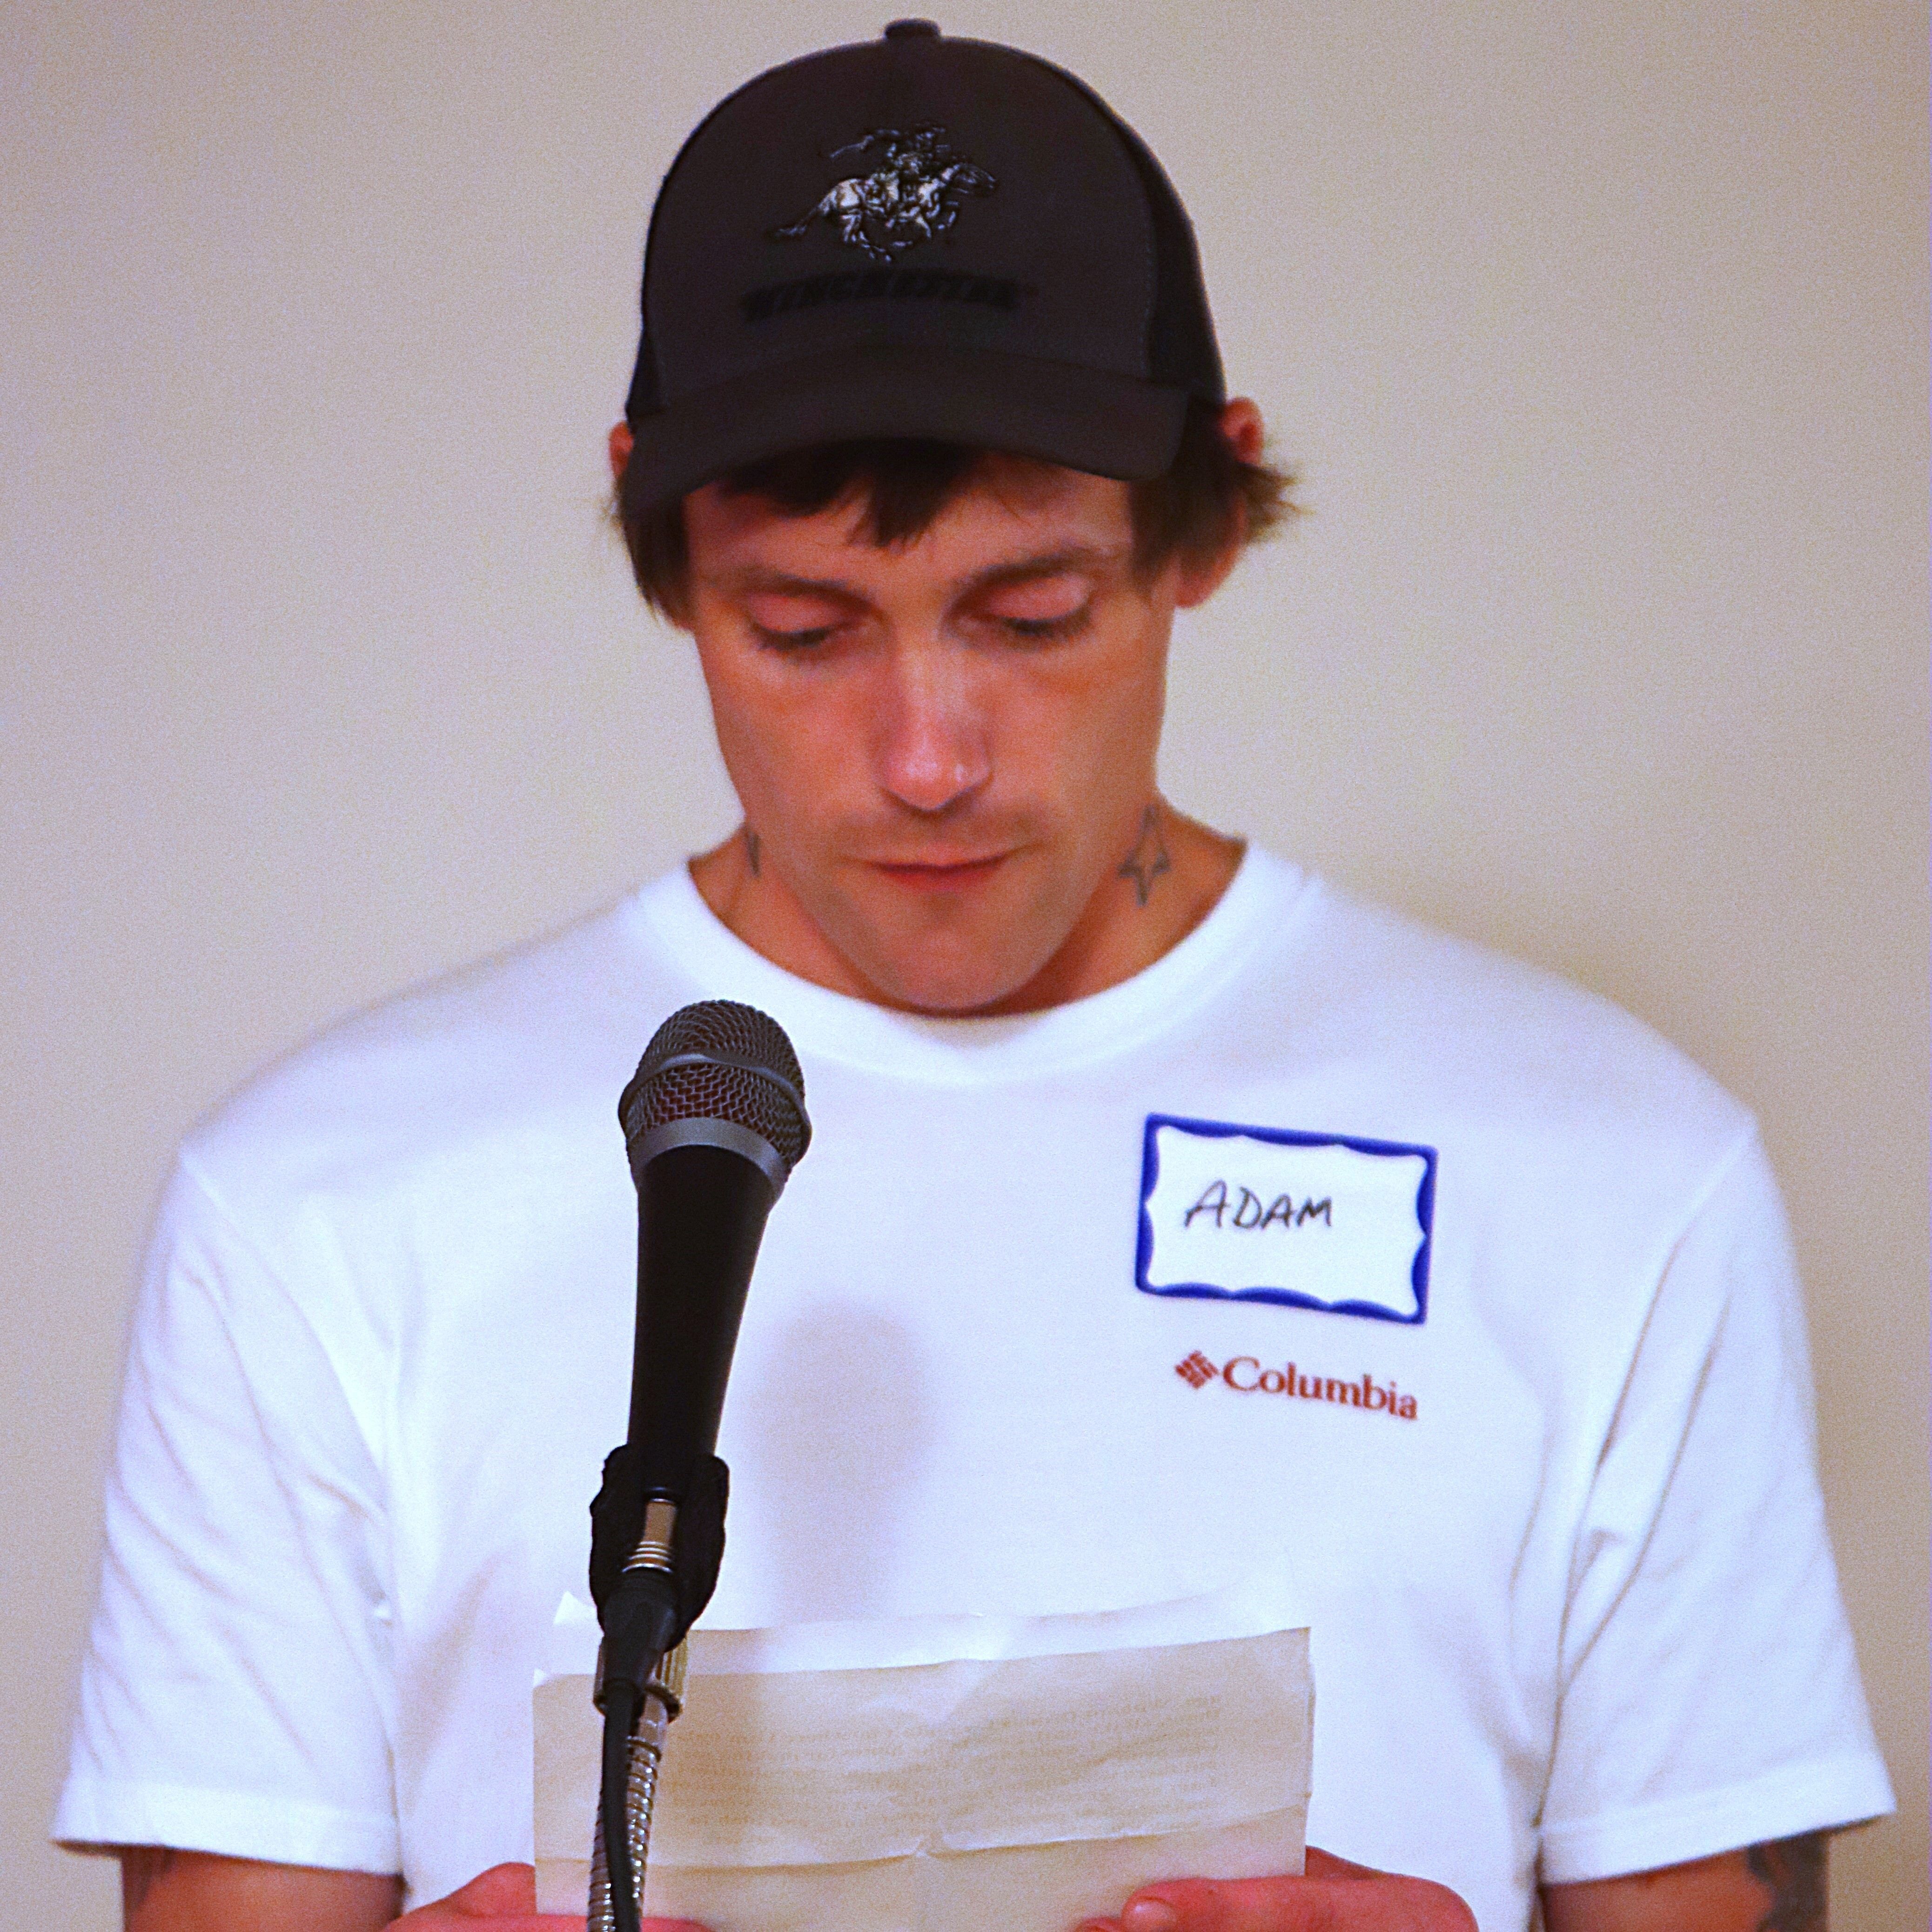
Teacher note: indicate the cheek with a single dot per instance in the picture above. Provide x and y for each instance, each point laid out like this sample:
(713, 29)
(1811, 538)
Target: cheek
(1102, 727)
(793, 750)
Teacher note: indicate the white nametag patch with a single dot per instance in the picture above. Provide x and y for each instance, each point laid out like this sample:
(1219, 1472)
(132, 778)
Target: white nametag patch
(1261, 1214)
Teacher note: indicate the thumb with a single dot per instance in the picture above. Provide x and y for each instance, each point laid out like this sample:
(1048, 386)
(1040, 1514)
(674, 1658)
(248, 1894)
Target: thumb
(1334, 1896)
(1222, 1905)
(1319, 1864)
(503, 1891)
(506, 1896)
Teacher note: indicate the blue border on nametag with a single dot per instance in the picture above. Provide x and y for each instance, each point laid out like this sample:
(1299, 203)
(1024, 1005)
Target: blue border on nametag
(1285, 1297)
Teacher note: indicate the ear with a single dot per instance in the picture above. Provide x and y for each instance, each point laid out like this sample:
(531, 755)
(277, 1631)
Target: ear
(1243, 432)
(1242, 429)
(620, 452)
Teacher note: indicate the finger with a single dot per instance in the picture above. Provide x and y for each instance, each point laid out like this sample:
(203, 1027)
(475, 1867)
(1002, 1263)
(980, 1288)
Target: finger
(504, 1898)
(523, 1922)
(1362, 1900)
(1222, 1905)
(1326, 1865)
(503, 1891)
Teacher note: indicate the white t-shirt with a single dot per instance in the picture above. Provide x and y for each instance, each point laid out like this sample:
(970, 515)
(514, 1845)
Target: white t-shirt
(1491, 1329)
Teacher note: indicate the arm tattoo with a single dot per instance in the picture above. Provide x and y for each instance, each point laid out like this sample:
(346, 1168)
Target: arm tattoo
(754, 851)
(1148, 859)
(141, 1867)
(1792, 1870)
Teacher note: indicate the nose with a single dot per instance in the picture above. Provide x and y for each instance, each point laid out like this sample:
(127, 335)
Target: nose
(934, 749)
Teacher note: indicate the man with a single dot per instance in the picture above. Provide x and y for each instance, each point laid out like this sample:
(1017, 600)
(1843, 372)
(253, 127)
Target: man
(1169, 1211)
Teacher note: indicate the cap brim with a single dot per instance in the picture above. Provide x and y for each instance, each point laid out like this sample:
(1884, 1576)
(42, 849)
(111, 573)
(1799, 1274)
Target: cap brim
(1108, 424)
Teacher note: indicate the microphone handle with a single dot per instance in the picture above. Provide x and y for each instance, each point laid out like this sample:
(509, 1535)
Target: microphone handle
(701, 1214)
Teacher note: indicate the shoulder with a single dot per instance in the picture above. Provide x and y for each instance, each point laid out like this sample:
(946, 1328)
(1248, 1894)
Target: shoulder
(1488, 1052)
(516, 1049)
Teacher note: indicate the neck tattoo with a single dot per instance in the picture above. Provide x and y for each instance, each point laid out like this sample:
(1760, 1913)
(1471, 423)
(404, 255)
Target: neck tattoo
(1148, 859)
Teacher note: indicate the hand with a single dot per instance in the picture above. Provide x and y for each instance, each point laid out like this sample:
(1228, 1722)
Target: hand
(504, 1898)
(1332, 1895)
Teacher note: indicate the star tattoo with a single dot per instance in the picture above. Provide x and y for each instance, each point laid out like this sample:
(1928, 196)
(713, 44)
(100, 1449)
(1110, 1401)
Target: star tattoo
(1148, 859)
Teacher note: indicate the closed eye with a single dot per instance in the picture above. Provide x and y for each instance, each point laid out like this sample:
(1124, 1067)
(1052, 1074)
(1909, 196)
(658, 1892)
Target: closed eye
(1038, 608)
(793, 640)
(1044, 630)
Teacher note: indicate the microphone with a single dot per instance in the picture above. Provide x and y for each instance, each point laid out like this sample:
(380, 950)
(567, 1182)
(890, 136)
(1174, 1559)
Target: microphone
(714, 1122)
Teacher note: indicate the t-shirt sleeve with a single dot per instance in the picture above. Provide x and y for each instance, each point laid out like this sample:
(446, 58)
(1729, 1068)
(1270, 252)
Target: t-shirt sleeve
(1710, 1694)
(234, 1697)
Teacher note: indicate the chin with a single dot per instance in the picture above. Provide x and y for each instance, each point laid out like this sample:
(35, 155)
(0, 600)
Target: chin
(943, 997)
(948, 989)
(946, 968)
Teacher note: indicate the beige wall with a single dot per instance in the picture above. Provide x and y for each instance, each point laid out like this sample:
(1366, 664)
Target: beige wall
(1598, 333)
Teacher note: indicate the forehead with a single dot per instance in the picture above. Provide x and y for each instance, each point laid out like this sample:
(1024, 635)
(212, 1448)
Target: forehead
(1011, 509)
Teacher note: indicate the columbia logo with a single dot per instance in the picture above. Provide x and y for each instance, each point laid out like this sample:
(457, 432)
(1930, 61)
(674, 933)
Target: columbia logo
(1245, 1375)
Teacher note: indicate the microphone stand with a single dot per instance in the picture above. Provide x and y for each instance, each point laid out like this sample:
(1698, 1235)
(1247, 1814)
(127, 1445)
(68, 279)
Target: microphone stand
(629, 1792)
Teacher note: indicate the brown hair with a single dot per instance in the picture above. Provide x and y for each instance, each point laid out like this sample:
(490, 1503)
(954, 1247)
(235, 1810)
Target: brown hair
(1207, 498)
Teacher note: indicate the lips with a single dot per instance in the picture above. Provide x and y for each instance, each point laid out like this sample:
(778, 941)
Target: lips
(939, 873)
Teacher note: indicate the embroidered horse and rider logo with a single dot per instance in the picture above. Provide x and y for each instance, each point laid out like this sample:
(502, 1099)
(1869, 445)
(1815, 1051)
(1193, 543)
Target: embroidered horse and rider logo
(912, 194)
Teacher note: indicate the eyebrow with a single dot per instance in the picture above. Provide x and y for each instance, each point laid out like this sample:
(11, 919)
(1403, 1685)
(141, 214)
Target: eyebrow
(1020, 570)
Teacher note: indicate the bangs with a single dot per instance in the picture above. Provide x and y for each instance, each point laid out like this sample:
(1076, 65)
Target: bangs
(1208, 498)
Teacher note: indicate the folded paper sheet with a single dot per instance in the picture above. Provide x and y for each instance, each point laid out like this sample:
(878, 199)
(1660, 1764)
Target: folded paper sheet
(949, 1773)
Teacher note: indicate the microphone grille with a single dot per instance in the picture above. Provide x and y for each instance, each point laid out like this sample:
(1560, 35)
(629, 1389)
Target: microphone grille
(720, 1060)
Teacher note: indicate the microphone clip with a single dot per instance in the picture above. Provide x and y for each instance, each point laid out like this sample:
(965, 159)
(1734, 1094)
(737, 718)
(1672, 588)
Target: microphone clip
(648, 1596)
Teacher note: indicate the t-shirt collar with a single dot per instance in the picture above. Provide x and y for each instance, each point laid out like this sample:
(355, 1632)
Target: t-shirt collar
(671, 917)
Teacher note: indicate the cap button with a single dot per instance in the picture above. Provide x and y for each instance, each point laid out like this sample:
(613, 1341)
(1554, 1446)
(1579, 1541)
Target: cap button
(912, 30)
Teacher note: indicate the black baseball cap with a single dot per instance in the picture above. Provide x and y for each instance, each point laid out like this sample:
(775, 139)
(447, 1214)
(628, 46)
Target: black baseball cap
(917, 236)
